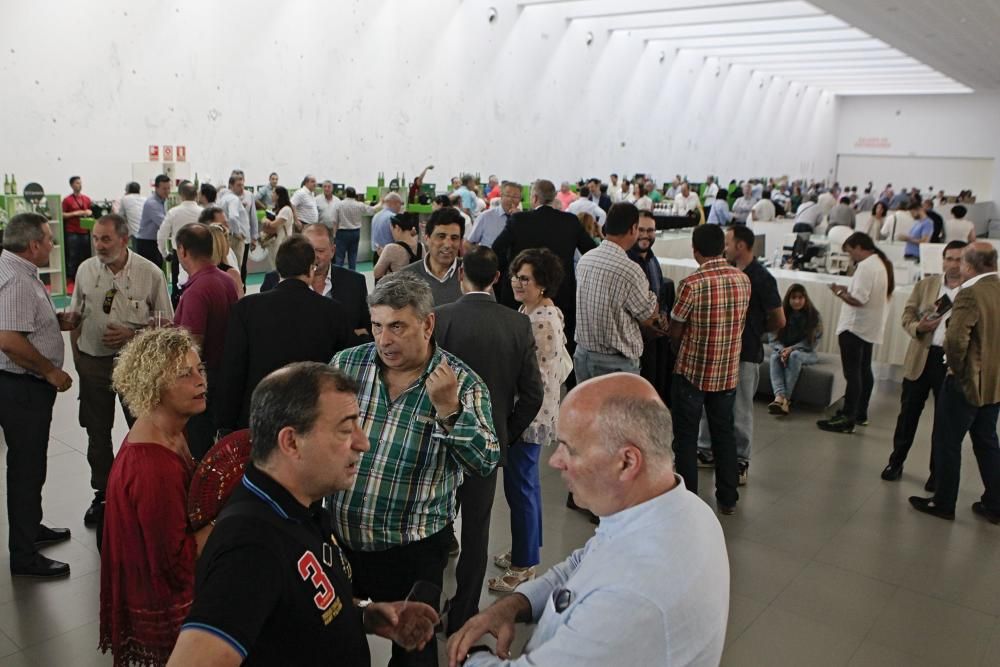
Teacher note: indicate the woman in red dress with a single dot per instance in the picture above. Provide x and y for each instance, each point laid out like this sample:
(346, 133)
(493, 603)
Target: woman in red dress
(148, 554)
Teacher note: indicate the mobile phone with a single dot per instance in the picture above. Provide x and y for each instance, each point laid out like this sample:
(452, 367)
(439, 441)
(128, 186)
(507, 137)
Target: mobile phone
(270, 215)
(942, 305)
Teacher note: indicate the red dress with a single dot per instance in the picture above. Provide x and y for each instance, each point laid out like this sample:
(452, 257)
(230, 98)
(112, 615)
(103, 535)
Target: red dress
(147, 554)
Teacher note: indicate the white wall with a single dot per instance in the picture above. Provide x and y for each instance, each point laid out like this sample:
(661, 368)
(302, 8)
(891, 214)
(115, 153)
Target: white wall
(346, 88)
(947, 126)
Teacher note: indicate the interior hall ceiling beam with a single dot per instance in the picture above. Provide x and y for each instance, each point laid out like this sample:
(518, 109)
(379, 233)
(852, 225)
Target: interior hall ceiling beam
(725, 4)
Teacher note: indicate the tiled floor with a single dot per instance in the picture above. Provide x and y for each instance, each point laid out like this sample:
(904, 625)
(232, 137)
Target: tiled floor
(830, 565)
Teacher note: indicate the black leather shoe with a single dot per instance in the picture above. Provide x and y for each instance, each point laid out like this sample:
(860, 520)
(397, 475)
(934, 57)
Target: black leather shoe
(41, 568)
(927, 506)
(892, 472)
(48, 535)
(931, 485)
(986, 513)
(728, 510)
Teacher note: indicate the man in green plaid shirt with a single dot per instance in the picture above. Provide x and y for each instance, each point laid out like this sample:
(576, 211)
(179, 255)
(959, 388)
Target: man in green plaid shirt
(429, 421)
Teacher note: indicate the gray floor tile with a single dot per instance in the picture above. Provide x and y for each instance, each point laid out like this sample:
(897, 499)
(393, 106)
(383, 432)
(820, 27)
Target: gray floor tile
(782, 638)
(934, 629)
(873, 654)
(77, 647)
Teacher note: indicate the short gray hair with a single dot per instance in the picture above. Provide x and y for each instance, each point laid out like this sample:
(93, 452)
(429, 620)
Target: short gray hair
(544, 190)
(982, 259)
(393, 196)
(401, 289)
(644, 423)
(22, 229)
(319, 229)
(121, 225)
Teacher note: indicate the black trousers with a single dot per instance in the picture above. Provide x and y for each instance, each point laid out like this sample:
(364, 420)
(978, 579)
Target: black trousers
(688, 402)
(476, 498)
(856, 361)
(25, 416)
(97, 415)
(148, 249)
(914, 397)
(657, 364)
(388, 576)
(954, 416)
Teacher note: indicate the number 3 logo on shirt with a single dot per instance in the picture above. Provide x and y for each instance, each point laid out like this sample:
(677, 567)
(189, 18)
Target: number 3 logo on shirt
(311, 570)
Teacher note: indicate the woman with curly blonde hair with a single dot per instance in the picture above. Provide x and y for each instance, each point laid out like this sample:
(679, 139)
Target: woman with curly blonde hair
(148, 553)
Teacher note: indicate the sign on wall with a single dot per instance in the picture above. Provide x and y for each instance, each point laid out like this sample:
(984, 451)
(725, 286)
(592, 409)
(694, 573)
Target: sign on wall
(182, 154)
(154, 153)
(168, 153)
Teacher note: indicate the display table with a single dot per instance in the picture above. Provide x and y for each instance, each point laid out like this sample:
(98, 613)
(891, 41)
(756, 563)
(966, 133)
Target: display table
(891, 351)
(673, 244)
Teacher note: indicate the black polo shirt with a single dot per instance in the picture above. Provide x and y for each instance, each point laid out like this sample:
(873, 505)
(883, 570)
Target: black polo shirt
(278, 597)
(764, 297)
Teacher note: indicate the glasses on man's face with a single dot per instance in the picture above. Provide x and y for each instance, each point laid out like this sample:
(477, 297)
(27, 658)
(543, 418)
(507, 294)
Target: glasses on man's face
(521, 280)
(109, 299)
(647, 230)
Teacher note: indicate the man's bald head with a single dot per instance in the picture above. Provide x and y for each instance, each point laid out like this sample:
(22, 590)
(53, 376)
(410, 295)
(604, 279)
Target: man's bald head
(624, 409)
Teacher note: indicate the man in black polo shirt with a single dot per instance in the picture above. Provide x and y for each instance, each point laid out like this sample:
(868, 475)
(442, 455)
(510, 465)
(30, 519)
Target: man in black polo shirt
(764, 315)
(272, 587)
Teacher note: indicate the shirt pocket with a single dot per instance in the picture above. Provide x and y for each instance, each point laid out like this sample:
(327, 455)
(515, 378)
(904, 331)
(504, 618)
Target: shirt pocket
(136, 313)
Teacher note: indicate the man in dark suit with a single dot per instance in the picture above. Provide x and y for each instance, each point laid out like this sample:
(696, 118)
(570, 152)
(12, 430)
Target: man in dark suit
(346, 286)
(498, 345)
(599, 194)
(269, 330)
(969, 401)
(545, 227)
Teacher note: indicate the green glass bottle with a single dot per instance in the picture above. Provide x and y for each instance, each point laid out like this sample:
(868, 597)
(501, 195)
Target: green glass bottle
(13, 184)
(6, 185)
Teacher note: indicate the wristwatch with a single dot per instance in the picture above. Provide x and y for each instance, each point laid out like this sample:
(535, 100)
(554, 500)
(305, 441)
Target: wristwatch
(448, 422)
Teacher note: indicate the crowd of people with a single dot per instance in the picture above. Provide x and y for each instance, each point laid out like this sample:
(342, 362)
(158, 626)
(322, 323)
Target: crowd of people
(375, 420)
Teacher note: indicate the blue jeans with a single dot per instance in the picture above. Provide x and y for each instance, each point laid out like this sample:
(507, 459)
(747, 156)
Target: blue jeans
(746, 389)
(347, 245)
(589, 364)
(688, 402)
(523, 489)
(954, 416)
(785, 377)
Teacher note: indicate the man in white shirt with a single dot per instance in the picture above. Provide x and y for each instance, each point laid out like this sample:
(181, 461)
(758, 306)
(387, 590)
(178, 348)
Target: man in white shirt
(117, 292)
(180, 215)
(237, 217)
(686, 200)
(711, 192)
(763, 211)
(615, 456)
(585, 205)
(304, 202)
(130, 207)
(326, 205)
(615, 189)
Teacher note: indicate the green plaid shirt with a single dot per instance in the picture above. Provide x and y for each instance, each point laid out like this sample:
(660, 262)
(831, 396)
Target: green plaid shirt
(405, 489)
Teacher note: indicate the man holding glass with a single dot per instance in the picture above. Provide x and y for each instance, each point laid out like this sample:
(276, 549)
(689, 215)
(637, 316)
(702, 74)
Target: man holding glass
(117, 293)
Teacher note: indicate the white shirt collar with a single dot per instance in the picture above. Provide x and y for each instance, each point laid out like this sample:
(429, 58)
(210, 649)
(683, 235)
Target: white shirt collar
(975, 279)
(447, 275)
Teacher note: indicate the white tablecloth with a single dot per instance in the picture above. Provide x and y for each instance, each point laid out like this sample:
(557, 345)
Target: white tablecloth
(673, 244)
(891, 351)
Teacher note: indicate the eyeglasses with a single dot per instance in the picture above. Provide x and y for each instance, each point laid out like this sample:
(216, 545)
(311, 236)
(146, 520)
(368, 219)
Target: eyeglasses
(109, 299)
(523, 280)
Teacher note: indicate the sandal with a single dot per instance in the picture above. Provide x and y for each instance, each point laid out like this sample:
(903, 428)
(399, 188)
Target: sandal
(502, 561)
(511, 579)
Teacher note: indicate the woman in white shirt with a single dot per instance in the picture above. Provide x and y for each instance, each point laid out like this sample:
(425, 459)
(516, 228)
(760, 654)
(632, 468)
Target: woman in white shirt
(743, 205)
(130, 207)
(280, 227)
(860, 328)
(958, 228)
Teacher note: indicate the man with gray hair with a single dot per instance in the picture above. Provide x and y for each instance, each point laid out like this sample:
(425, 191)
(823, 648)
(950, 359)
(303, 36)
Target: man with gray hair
(429, 419)
(970, 396)
(117, 292)
(326, 206)
(382, 222)
(493, 220)
(31, 359)
(614, 455)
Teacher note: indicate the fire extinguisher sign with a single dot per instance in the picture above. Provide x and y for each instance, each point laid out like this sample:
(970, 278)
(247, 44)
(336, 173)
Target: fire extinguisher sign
(154, 153)
(168, 153)
(181, 153)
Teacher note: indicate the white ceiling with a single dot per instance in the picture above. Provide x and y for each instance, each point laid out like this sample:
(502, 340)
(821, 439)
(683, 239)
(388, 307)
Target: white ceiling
(848, 47)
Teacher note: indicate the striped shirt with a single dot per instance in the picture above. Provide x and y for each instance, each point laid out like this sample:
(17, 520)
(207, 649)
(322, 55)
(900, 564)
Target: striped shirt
(350, 213)
(612, 297)
(405, 489)
(25, 307)
(713, 302)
